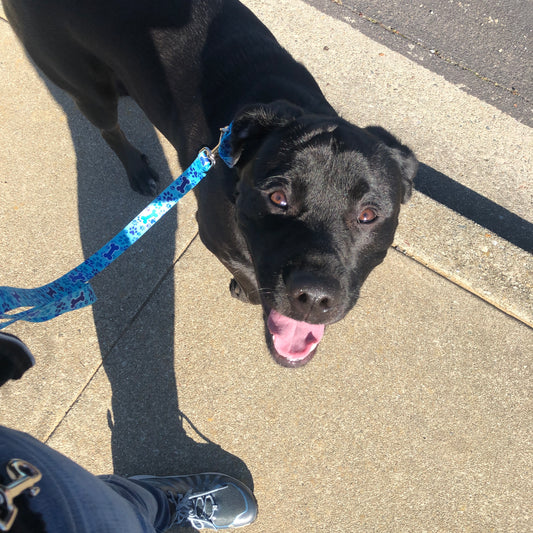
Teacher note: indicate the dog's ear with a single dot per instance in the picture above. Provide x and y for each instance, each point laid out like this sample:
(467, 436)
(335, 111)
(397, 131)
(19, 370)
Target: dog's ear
(254, 122)
(402, 156)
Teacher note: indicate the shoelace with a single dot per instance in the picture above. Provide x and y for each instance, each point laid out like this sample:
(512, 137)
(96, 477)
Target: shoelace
(192, 508)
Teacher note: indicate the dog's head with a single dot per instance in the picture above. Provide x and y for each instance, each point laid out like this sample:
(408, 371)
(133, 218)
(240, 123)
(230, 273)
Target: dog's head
(318, 201)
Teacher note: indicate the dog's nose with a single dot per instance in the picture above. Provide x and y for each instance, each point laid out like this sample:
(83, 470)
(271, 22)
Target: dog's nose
(312, 295)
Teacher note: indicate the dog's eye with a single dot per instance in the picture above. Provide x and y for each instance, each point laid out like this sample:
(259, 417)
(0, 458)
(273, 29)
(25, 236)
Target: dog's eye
(367, 216)
(278, 198)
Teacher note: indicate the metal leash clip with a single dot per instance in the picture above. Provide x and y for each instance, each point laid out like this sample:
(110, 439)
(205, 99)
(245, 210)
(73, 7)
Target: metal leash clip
(208, 156)
(24, 477)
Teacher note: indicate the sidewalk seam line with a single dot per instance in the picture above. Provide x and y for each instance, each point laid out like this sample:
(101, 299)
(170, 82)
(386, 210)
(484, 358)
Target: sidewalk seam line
(442, 273)
(120, 336)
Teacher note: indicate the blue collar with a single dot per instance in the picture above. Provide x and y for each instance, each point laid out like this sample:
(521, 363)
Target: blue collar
(224, 146)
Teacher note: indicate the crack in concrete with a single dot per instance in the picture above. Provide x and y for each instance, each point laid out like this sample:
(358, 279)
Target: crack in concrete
(120, 337)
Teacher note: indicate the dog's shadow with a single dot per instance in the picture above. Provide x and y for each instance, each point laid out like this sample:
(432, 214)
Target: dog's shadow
(148, 434)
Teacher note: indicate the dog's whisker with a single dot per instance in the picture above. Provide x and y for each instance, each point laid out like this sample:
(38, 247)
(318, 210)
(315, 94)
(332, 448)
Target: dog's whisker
(263, 290)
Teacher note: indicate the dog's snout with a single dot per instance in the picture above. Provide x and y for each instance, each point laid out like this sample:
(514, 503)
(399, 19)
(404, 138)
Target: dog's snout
(311, 295)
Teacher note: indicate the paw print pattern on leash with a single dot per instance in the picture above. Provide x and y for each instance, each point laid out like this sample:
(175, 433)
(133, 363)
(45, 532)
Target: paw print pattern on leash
(73, 291)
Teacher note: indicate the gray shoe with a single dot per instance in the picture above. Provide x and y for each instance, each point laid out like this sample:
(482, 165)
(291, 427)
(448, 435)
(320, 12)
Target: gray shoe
(206, 501)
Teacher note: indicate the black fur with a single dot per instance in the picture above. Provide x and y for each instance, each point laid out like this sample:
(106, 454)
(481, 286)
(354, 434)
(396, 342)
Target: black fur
(196, 66)
(15, 357)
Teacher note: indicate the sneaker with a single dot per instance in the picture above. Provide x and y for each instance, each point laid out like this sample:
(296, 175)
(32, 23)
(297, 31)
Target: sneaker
(206, 501)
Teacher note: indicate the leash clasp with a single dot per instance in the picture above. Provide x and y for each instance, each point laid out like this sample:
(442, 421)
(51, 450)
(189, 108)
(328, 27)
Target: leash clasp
(207, 156)
(24, 476)
(223, 132)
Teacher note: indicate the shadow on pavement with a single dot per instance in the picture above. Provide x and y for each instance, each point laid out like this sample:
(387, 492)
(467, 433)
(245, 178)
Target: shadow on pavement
(147, 426)
(475, 206)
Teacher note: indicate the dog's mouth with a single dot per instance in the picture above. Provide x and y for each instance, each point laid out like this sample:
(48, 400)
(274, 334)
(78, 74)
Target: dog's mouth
(294, 341)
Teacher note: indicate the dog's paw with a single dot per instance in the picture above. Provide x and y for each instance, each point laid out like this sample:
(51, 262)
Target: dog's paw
(143, 179)
(237, 291)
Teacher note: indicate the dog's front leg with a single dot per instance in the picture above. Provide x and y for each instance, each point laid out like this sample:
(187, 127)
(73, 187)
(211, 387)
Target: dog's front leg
(100, 108)
(244, 288)
(140, 175)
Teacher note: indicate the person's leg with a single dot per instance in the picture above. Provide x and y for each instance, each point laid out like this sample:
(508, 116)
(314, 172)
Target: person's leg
(75, 501)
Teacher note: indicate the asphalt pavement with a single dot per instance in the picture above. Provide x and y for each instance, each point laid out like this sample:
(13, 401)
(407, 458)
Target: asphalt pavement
(416, 413)
(482, 46)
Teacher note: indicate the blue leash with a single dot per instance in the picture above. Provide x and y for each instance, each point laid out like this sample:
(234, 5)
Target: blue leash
(73, 291)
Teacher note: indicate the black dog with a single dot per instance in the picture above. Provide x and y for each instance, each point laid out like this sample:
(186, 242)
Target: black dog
(312, 203)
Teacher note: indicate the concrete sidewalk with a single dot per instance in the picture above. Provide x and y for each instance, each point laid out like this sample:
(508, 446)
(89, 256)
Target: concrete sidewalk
(415, 415)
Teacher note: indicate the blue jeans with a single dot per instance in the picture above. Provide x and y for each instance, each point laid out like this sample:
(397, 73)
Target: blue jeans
(72, 500)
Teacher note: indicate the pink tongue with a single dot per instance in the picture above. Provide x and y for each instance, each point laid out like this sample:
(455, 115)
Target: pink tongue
(292, 339)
